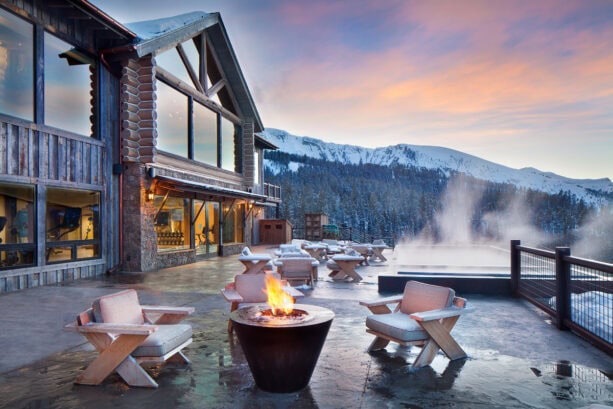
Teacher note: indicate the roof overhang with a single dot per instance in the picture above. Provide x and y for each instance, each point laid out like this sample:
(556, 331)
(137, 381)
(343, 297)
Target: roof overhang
(189, 186)
(263, 143)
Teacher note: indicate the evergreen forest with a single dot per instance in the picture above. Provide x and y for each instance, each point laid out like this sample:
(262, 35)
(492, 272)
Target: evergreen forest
(399, 202)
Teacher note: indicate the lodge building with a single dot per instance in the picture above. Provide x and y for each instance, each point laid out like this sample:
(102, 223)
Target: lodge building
(122, 147)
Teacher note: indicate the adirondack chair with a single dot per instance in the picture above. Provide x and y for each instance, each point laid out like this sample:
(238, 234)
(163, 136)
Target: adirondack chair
(425, 315)
(128, 335)
(251, 289)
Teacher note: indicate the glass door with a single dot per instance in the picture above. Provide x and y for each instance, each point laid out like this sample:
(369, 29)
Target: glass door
(206, 227)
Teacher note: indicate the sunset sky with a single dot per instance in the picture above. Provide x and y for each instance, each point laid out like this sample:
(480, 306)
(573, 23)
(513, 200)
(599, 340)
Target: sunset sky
(520, 83)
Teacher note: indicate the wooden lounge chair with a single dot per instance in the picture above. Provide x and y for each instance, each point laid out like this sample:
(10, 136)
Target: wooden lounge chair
(127, 334)
(425, 315)
(297, 269)
(251, 289)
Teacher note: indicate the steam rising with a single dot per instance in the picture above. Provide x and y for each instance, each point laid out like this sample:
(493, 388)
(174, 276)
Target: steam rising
(459, 221)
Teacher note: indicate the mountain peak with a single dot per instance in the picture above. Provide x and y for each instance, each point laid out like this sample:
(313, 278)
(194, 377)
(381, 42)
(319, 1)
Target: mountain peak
(593, 191)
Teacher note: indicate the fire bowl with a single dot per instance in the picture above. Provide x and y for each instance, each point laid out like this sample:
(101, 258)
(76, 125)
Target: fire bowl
(282, 353)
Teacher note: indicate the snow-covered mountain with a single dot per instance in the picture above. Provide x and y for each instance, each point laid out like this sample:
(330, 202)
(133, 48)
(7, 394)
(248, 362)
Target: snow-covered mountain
(593, 191)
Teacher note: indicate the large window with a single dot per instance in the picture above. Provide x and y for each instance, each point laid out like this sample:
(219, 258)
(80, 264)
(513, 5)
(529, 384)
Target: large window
(205, 135)
(17, 225)
(66, 76)
(172, 120)
(206, 226)
(229, 142)
(187, 127)
(172, 223)
(16, 67)
(67, 87)
(72, 225)
(233, 217)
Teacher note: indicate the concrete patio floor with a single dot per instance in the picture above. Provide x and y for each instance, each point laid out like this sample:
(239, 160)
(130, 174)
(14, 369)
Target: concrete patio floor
(517, 359)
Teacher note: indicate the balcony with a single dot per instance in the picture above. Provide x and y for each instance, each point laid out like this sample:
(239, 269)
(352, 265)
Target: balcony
(272, 192)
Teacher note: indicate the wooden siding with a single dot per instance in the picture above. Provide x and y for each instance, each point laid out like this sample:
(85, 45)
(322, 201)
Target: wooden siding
(47, 154)
(14, 280)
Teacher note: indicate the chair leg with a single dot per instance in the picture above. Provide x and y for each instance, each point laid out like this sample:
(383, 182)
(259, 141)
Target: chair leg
(134, 375)
(440, 338)
(377, 344)
(427, 354)
(110, 358)
(179, 359)
(440, 333)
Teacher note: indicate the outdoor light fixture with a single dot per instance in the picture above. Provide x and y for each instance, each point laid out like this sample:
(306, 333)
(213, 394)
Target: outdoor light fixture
(149, 195)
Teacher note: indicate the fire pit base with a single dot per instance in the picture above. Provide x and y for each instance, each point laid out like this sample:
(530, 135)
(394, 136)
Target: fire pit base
(282, 357)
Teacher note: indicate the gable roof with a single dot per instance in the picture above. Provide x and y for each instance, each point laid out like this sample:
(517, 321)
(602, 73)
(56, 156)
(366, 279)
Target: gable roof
(155, 36)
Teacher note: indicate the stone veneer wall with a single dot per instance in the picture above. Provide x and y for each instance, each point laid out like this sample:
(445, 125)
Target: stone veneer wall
(248, 153)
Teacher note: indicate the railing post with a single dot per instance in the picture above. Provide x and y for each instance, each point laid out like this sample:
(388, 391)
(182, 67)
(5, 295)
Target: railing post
(562, 286)
(515, 267)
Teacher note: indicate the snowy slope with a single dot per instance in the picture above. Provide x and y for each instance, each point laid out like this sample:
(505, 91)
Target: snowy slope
(434, 157)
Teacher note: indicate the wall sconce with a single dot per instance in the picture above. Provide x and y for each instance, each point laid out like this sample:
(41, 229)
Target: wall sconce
(250, 205)
(149, 195)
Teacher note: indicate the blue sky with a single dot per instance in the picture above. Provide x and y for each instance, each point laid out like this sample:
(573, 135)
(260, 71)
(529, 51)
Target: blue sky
(520, 83)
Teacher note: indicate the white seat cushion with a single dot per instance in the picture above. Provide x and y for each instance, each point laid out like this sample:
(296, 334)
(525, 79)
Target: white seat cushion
(164, 340)
(397, 325)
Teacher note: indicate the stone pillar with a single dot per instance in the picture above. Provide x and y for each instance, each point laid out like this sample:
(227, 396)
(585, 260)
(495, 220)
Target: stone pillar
(138, 141)
(248, 154)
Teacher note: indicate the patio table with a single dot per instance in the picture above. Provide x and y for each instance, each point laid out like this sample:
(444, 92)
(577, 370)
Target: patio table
(365, 251)
(317, 251)
(343, 267)
(377, 250)
(254, 263)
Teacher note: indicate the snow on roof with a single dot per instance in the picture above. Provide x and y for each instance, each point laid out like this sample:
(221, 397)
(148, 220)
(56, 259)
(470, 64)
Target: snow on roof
(147, 30)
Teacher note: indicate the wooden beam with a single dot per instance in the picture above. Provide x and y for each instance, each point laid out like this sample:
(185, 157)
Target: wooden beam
(211, 92)
(168, 77)
(190, 69)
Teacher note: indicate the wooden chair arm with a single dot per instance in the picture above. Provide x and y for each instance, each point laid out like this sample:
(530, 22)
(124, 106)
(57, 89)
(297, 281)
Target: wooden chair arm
(292, 291)
(382, 301)
(106, 328)
(231, 295)
(162, 309)
(441, 313)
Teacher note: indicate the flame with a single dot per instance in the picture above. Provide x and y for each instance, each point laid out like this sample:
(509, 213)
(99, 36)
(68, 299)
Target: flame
(279, 301)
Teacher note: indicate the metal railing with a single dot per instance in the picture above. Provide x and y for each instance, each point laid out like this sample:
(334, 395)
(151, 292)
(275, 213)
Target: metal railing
(272, 191)
(346, 234)
(576, 292)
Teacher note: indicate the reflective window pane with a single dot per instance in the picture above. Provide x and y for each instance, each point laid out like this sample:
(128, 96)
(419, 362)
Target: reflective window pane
(68, 100)
(171, 61)
(17, 225)
(193, 56)
(229, 140)
(72, 214)
(206, 226)
(172, 225)
(16, 67)
(172, 120)
(205, 135)
(17, 218)
(233, 223)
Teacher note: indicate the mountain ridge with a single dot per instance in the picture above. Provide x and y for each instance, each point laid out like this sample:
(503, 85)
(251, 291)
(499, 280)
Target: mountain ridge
(594, 191)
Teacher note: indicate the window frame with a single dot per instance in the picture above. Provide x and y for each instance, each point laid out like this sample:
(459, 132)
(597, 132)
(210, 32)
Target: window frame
(200, 91)
(38, 89)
